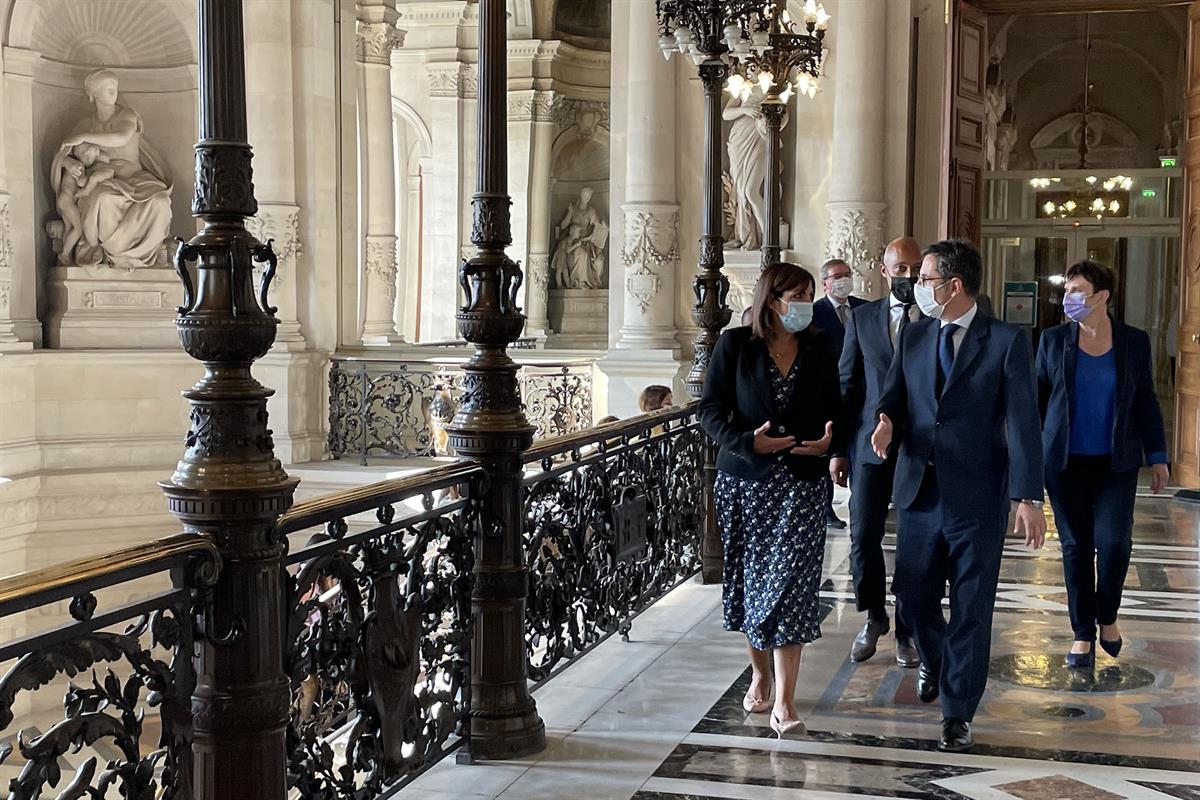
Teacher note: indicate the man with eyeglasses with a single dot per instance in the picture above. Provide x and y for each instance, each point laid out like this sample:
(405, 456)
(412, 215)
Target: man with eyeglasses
(871, 335)
(960, 400)
(830, 315)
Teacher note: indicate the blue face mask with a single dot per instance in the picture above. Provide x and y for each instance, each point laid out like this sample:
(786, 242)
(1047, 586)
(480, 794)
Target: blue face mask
(798, 317)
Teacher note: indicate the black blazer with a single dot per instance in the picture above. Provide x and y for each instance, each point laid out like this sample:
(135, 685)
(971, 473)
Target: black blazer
(825, 319)
(737, 399)
(1138, 424)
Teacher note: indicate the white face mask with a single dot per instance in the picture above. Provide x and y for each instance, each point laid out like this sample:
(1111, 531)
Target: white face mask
(927, 301)
(841, 287)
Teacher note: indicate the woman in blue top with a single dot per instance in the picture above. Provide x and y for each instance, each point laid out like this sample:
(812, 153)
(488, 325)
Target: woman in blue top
(1100, 423)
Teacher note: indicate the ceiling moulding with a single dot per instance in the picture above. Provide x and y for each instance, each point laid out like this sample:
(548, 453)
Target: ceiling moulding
(1069, 6)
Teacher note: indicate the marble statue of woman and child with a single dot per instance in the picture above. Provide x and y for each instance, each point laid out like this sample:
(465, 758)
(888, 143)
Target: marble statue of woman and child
(111, 189)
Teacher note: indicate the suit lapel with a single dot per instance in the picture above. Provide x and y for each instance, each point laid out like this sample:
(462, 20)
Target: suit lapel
(972, 346)
(1069, 354)
(762, 375)
(1120, 356)
(883, 326)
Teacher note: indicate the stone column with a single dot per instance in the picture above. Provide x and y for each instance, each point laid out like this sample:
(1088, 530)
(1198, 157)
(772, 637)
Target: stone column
(646, 350)
(538, 270)
(377, 37)
(269, 100)
(856, 210)
(19, 326)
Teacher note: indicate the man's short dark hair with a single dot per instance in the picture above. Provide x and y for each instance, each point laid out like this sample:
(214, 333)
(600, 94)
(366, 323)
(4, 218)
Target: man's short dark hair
(1098, 275)
(958, 258)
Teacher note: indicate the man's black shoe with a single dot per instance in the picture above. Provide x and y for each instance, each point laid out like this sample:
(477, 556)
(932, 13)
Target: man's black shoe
(956, 736)
(834, 521)
(927, 684)
(865, 643)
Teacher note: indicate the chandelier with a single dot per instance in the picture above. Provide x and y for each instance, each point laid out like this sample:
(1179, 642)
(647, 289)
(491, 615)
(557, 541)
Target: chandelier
(780, 57)
(702, 29)
(1092, 197)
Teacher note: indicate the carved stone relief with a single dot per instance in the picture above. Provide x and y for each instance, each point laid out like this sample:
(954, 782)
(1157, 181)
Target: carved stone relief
(651, 245)
(452, 79)
(381, 262)
(856, 236)
(530, 106)
(280, 223)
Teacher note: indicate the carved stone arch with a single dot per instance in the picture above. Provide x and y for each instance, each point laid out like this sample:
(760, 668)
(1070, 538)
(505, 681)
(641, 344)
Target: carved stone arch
(1075, 46)
(521, 19)
(409, 114)
(1111, 140)
(128, 33)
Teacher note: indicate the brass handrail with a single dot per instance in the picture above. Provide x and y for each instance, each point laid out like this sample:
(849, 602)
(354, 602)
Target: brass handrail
(603, 433)
(348, 502)
(27, 589)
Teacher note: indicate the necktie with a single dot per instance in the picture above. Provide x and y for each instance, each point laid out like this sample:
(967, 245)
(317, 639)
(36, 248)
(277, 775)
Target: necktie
(901, 316)
(842, 311)
(945, 355)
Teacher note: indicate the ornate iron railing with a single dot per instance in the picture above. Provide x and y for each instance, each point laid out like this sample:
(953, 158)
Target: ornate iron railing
(123, 718)
(613, 521)
(400, 408)
(378, 636)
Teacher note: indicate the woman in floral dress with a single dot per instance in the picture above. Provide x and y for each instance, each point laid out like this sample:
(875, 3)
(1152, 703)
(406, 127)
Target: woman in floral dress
(770, 402)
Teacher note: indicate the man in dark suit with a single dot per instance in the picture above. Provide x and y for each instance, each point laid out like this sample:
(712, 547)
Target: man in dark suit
(960, 399)
(830, 315)
(871, 335)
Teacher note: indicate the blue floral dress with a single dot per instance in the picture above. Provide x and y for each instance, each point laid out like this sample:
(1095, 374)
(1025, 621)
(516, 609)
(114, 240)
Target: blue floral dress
(774, 535)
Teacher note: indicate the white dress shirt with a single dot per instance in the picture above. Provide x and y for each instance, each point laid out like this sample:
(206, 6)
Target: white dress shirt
(963, 323)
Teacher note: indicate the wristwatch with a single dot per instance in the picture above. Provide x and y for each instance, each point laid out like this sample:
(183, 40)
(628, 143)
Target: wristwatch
(1035, 503)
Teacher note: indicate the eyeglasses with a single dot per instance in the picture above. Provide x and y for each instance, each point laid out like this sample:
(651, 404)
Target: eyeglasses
(924, 280)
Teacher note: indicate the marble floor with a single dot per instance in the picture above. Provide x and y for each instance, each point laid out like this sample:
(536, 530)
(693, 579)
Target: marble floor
(660, 718)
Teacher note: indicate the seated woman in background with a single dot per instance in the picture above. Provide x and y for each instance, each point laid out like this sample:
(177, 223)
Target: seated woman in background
(654, 397)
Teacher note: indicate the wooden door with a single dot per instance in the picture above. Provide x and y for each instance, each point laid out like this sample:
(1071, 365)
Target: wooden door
(962, 137)
(1187, 374)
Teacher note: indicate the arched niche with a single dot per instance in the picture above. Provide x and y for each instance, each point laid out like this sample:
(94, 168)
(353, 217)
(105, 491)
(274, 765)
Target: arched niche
(1111, 142)
(51, 46)
(414, 148)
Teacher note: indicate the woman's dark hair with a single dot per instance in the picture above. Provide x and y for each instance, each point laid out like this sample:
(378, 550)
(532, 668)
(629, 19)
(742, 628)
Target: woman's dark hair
(652, 397)
(1098, 275)
(958, 258)
(773, 283)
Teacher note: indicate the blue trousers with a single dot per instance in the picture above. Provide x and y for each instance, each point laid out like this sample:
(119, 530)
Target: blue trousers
(1093, 510)
(935, 548)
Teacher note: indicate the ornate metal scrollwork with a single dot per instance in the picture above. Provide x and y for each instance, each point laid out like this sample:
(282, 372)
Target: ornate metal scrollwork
(126, 718)
(583, 583)
(378, 651)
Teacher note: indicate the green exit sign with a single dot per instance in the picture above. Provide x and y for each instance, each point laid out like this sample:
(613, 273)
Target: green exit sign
(1149, 193)
(1167, 161)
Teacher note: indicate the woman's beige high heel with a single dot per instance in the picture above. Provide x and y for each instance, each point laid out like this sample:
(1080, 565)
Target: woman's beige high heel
(753, 706)
(780, 727)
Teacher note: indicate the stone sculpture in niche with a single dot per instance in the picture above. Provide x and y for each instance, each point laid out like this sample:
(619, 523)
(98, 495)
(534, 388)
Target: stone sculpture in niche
(112, 189)
(747, 146)
(578, 261)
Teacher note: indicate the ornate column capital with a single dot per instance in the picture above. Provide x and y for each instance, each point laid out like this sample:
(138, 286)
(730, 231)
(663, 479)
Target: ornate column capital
(453, 79)
(529, 105)
(375, 41)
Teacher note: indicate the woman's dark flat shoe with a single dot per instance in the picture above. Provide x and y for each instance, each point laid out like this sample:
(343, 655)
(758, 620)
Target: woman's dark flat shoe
(1112, 648)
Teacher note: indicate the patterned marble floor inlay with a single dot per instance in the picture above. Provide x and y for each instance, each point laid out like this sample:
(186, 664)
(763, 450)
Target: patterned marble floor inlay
(1127, 729)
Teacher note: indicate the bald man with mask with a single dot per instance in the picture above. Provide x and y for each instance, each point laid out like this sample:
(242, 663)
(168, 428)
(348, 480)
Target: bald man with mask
(871, 334)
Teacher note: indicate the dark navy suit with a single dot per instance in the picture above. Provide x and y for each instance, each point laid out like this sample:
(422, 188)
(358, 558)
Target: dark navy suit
(866, 359)
(826, 319)
(1093, 495)
(963, 456)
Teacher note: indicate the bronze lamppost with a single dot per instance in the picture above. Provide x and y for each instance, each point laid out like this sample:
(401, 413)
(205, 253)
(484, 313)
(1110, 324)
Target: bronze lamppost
(702, 29)
(780, 58)
(490, 427)
(229, 486)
